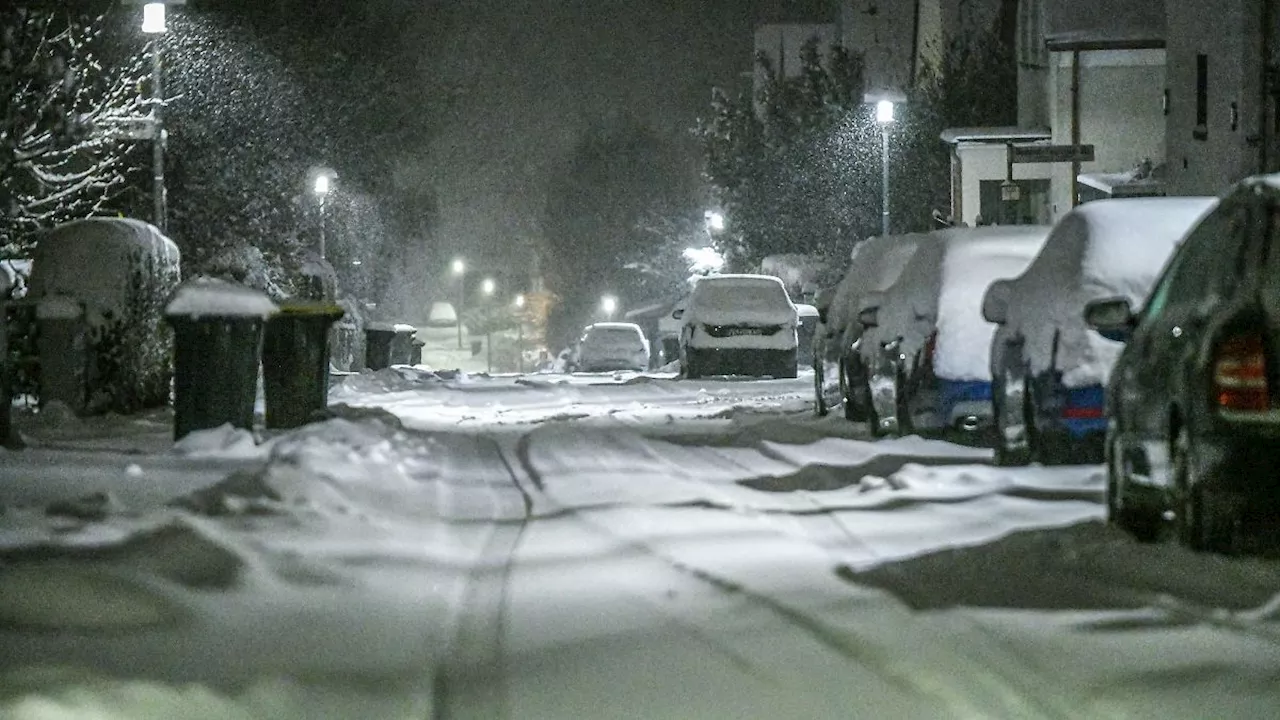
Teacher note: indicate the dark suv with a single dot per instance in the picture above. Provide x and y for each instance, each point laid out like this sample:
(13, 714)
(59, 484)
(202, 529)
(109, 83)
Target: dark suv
(1193, 410)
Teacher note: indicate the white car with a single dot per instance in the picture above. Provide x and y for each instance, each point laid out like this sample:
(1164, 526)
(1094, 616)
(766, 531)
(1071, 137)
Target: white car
(738, 325)
(608, 346)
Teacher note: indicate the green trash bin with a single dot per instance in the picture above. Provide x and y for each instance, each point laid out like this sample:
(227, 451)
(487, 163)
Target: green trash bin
(295, 362)
(378, 339)
(217, 343)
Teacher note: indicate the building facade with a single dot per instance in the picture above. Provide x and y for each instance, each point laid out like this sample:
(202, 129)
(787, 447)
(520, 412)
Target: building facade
(1220, 95)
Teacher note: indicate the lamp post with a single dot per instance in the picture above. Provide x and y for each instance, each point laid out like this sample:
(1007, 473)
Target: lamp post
(520, 333)
(487, 287)
(609, 304)
(884, 116)
(153, 23)
(459, 270)
(321, 189)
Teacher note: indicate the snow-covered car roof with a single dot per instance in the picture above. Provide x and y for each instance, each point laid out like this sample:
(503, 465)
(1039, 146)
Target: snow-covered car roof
(805, 310)
(614, 326)
(942, 286)
(1104, 248)
(874, 266)
(734, 299)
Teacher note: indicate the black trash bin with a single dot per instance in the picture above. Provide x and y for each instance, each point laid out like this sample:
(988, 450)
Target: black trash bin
(295, 362)
(402, 345)
(217, 343)
(378, 339)
(415, 358)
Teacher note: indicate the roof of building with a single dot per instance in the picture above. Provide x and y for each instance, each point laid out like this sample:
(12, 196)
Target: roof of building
(994, 134)
(1137, 182)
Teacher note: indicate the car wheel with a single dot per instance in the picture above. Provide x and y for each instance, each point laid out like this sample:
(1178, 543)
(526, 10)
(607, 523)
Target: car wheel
(1143, 523)
(1201, 524)
(1007, 455)
(819, 397)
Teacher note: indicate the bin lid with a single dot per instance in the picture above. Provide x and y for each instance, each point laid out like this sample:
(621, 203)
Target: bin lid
(311, 308)
(392, 327)
(210, 297)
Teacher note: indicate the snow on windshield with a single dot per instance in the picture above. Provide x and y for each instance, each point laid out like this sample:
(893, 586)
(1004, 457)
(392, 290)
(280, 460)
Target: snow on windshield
(615, 335)
(975, 259)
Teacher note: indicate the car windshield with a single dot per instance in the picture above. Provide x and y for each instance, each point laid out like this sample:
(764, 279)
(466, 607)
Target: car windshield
(407, 359)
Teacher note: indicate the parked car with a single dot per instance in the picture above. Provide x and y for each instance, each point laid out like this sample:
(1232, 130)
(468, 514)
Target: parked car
(738, 325)
(927, 346)
(1048, 368)
(874, 265)
(1193, 402)
(608, 346)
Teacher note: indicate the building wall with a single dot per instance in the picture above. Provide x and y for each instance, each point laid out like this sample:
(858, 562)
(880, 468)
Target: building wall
(1228, 33)
(1121, 113)
(987, 161)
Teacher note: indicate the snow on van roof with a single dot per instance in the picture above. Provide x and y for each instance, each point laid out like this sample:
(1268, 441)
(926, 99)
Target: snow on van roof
(874, 265)
(975, 258)
(614, 326)
(738, 279)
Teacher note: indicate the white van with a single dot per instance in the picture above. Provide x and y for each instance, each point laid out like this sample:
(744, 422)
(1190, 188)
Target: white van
(738, 325)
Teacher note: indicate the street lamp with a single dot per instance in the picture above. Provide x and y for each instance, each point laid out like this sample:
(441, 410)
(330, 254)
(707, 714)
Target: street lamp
(715, 220)
(609, 304)
(884, 116)
(153, 23)
(459, 269)
(321, 189)
(487, 286)
(520, 333)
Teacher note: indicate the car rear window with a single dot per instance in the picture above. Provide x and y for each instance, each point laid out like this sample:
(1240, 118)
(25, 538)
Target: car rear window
(613, 336)
(741, 294)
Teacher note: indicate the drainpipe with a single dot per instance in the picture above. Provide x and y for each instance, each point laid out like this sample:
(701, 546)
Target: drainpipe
(1075, 126)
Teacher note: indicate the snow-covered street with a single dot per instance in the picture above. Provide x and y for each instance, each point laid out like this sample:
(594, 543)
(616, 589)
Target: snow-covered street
(597, 546)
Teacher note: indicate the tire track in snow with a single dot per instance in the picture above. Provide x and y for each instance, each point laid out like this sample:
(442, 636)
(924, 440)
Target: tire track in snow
(861, 651)
(469, 682)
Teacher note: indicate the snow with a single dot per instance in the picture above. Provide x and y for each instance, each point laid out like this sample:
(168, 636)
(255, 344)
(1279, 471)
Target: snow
(95, 261)
(442, 314)
(975, 258)
(613, 341)
(874, 266)
(392, 327)
(631, 547)
(210, 297)
(1105, 248)
(740, 299)
(14, 275)
(806, 311)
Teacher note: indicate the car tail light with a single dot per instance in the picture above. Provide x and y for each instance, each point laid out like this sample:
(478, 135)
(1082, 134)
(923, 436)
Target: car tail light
(1240, 374)
(1082, 413)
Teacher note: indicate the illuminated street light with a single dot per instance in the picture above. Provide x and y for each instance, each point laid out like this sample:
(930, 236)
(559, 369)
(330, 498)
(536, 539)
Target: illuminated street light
(488, 286)
(609, 304)
(321, 185)
(459, 266)
(153, 18)
(885, 117)
(520, 300)
(715, 221)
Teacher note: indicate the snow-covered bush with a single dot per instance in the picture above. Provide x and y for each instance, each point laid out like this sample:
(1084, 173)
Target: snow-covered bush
(245, 264)
(320, 281)
(122, 271)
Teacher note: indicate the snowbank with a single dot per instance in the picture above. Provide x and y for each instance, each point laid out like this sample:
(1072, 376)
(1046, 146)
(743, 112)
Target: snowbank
(1105, 248)
(122, 271)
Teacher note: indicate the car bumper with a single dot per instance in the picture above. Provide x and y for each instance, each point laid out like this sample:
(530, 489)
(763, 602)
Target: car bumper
(740, 361)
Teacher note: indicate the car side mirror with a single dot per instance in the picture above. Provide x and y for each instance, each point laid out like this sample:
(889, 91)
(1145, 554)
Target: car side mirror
(1111, 317)
(995, 303)
(869, 317)
(678, 313)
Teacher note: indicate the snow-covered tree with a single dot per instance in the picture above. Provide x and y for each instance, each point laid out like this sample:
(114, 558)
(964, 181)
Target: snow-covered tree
(57, 100)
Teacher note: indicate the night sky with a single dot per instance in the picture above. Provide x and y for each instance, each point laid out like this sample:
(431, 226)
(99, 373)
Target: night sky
(530, 76)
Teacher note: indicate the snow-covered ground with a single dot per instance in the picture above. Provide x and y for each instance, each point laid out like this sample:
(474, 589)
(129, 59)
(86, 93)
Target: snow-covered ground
(630, 546)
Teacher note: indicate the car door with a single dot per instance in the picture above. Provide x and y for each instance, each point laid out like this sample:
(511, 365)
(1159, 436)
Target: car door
(1174, 320)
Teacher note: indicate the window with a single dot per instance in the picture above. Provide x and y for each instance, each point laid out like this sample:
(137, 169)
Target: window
(1201, 131)
(1203, 263)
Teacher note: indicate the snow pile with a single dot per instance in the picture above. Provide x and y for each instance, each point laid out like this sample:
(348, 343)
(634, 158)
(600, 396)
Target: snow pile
(976, 258)
(398, 378)
(14, 276)
(121, 271)
(1105, 248)
(225, 441)
(210, 297)
(442, 315)
(740, 299)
